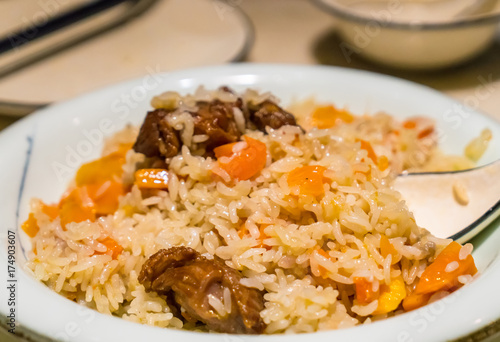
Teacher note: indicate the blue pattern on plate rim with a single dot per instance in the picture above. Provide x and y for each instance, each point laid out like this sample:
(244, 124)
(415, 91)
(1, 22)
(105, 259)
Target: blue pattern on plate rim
(30, 139)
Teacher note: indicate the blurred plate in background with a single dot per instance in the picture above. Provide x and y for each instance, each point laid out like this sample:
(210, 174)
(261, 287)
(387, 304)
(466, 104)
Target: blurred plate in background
(172, 34)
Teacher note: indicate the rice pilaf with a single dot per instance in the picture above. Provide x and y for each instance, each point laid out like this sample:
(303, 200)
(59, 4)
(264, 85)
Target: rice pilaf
(317, 230)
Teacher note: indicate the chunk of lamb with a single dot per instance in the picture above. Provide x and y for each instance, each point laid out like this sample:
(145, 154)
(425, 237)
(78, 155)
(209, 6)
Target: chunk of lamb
(216, 120)
(188, 277)
(269, 114)
(157, 139)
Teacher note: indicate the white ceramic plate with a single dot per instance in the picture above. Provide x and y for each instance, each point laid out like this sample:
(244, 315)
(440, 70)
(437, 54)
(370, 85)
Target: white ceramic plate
(65, 135)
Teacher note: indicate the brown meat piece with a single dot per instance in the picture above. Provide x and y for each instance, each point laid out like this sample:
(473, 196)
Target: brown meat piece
(156, 137)
(269, 114)
(158, 140)
(216, 119)
(192, 277)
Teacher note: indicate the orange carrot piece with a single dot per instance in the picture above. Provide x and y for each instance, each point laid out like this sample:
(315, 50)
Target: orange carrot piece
(106, 196)
(102, 178)
(364, 291)
(391, 296)
(101, 170)
(242, 231)
(415, 301)
(425, 133)
(52, 211)
(263, 236)
(323, 271)
(383, 163)
(309, 179)
(112, 246)
(30, 226)
(329, 116)
(409, 124)
(365, 145)
(76, 207)
(435, 278)
(224, 150)
(151, 178)
(245, 163)
(387, 248)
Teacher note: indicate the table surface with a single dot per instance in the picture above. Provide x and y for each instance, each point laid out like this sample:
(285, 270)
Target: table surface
(295, 31)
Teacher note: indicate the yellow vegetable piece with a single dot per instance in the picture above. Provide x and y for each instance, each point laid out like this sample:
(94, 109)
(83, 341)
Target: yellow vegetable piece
(391, 296)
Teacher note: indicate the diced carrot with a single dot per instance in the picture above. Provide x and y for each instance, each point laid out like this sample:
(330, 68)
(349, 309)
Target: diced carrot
(30, 226)
(76, 207)
(224, 150)
(245, 163)
(409, 124)
(415, 301)
(323, 271)
(242, 231)
(263, 236)
(100, 170)
(309, 179)
(364, 290)
(365, 145)
(386, 248)
(425, 133)
(151, 178)
(112, 246)
(329, 116)
(383, 163)
(391, 296)
(435, 278)
(52, 211)
(105, 196)
(102, 178)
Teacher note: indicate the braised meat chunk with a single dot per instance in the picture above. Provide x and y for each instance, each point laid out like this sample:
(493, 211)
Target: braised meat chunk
(195, 283)
(216, 120)
(269, 114)
(156, 137)
(223, 122)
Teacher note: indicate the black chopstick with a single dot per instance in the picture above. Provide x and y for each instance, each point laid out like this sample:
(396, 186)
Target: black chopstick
(34, 32)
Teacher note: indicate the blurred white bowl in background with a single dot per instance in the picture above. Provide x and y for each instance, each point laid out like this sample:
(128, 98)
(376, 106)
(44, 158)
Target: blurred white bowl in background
(413, 34)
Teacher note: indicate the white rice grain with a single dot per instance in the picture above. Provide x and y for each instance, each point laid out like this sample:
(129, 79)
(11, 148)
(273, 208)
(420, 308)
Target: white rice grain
(452, 266)
(465, 251)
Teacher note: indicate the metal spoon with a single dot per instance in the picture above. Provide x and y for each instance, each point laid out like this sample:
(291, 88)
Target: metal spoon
(455, 205)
